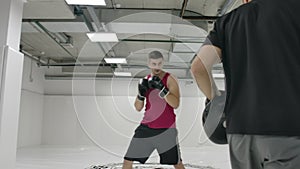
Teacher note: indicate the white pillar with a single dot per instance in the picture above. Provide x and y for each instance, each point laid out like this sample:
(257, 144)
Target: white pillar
(11, 67)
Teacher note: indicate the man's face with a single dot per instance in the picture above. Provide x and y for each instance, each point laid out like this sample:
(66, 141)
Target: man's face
(156, 65)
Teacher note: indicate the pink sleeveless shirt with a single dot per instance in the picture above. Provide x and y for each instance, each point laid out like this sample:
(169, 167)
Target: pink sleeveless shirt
(158, 113)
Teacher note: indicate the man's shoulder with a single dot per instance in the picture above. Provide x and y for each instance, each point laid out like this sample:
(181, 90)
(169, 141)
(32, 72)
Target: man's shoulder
(147, 76)
(171, 77)
(242, 9)
(168, 74)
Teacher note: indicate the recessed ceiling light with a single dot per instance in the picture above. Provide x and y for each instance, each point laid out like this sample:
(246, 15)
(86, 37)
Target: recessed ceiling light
(115, 60)
(122, 73)
(103, 37)
(85, 2)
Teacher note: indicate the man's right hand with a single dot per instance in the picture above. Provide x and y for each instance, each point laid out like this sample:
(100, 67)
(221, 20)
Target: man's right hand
(143, 88)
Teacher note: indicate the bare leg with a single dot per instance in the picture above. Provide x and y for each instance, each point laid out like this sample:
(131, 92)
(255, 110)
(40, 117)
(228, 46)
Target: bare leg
(127, 164)
(179, 165)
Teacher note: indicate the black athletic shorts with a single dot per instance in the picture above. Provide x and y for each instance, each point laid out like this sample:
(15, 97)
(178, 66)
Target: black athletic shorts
(146, 140)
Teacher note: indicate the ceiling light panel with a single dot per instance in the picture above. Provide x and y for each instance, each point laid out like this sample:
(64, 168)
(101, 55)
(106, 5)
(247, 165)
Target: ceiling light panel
(122, 74)
(218, 75)
(115, 60)
(86, 2)
(103, 37)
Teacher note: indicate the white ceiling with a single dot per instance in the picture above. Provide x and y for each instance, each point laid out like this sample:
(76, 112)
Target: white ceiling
(55, 34)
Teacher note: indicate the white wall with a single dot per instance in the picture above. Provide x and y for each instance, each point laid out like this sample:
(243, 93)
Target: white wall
(86, 112)
(101, 112)
(31, 108)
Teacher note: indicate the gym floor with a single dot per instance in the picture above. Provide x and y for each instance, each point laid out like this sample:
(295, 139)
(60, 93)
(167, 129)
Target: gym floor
(74, 157)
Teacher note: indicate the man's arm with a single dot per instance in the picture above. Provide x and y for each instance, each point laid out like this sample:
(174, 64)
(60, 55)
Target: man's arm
(201, 69)
(173, 98)
(143, 87)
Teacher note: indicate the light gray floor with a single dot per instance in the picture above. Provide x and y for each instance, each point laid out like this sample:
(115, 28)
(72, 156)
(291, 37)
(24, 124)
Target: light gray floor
(80, 157)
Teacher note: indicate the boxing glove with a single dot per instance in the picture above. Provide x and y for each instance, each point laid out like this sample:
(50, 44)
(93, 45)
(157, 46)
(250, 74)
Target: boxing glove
(156, 83)
(143, 88)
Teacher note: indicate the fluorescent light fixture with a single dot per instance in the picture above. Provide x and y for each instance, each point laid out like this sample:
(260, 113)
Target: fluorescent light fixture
(103, 37)
(122, 73)
(115, 60)
(86, 2)
(218, 75)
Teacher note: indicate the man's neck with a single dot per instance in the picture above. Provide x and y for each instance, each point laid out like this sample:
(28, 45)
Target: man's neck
(160, 75)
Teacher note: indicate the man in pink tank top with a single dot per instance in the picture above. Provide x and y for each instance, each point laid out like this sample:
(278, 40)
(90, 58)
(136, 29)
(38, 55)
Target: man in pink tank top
(157, 130)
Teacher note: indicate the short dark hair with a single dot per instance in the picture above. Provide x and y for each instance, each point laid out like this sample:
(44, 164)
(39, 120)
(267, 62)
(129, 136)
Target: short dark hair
(155, 55)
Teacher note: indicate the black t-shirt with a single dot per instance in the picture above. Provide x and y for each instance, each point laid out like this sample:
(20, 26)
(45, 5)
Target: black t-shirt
(260, 44)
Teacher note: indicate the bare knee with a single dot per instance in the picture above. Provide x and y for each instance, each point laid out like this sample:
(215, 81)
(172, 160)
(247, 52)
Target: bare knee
(127, 164)
(179, 165)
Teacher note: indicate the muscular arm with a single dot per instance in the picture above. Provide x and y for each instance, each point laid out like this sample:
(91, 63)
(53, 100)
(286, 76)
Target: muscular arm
(201, 69)
(173, 98)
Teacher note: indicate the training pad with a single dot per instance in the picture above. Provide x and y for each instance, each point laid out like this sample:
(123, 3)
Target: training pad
(213, 119)
(147, 166)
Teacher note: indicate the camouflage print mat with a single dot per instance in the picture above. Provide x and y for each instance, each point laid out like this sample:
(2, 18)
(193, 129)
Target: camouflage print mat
(147, 166)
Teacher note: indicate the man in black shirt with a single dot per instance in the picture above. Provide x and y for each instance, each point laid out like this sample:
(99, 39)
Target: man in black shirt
(259, 46)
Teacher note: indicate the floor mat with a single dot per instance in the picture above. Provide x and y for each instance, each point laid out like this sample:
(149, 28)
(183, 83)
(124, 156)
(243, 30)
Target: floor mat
(147, 166)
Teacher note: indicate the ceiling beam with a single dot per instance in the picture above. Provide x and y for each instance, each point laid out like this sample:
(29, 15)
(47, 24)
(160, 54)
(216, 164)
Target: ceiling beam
(183, 8)
(39, 25)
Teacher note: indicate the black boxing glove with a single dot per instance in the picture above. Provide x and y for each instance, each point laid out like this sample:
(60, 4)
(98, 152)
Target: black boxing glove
(143, 88)
(156, 83)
